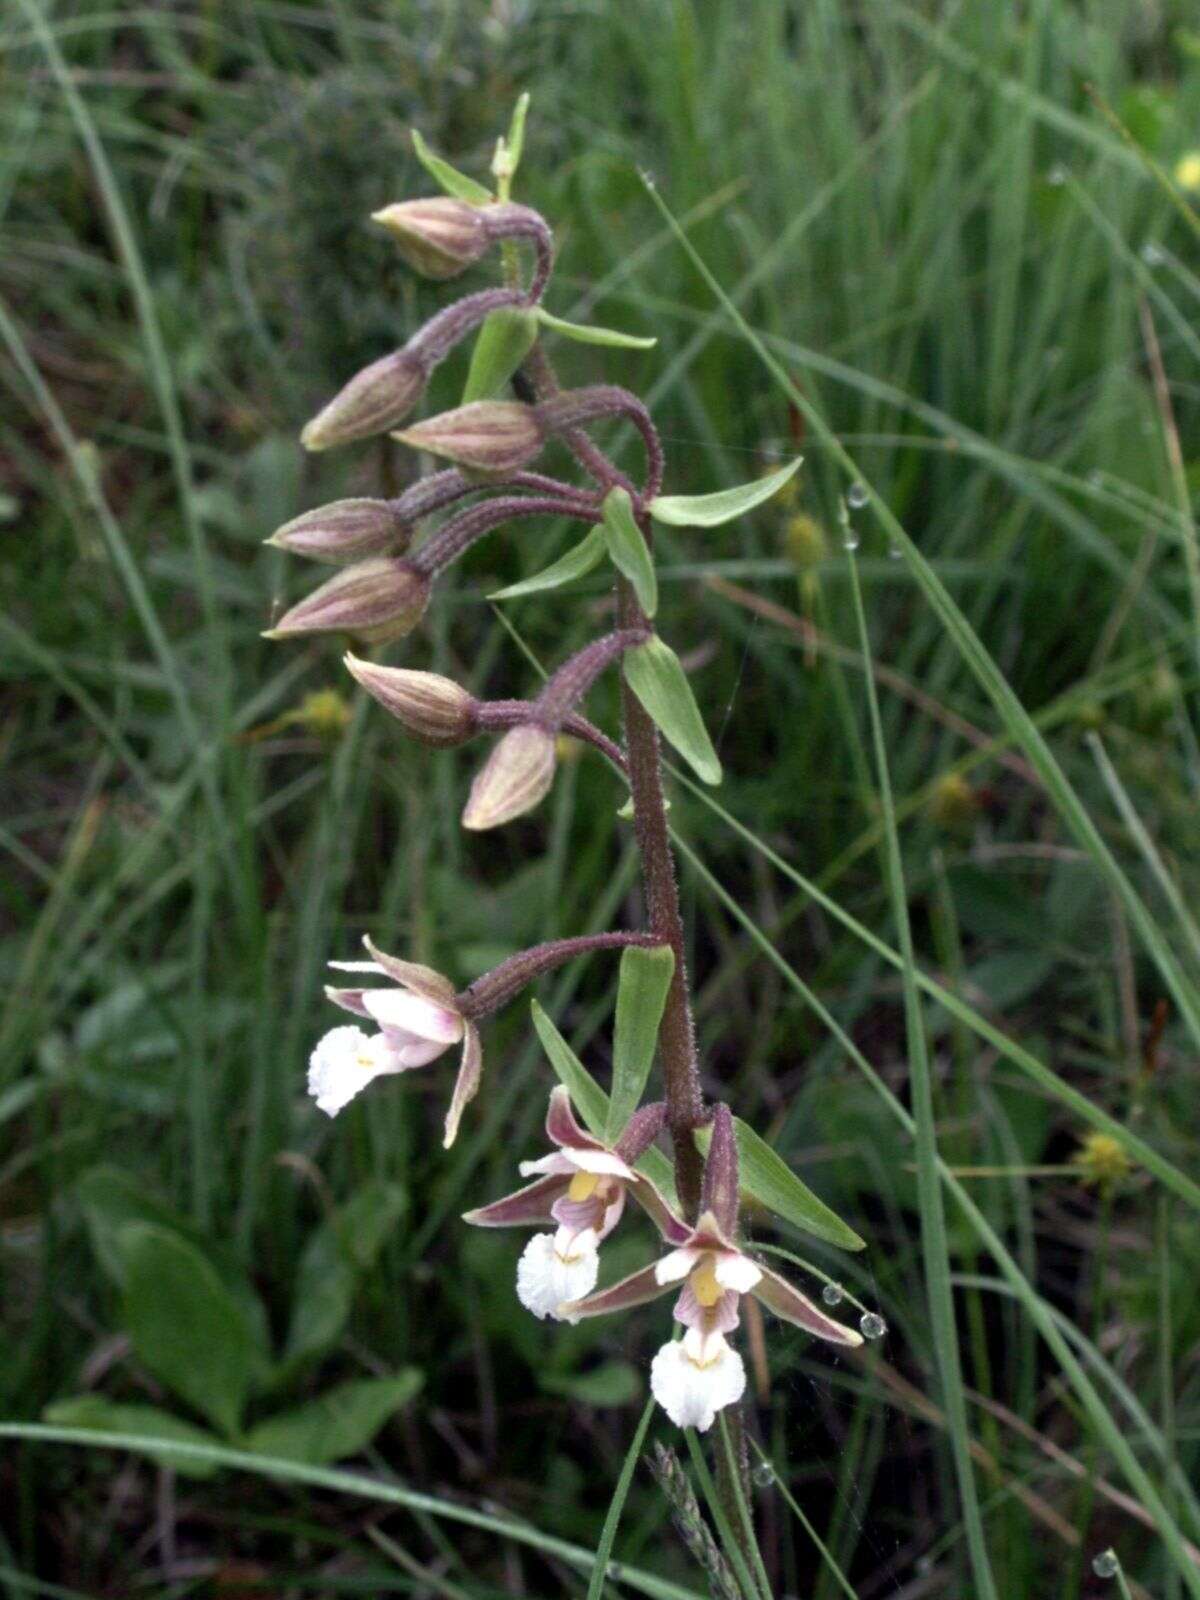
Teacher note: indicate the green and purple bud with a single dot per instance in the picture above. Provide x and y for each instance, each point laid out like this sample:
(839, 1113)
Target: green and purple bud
(438, 237)
(347, 530)
(435, 710)
(375, 600)
(490, 436)
(374, 400)
(441, 237)
(515, 778)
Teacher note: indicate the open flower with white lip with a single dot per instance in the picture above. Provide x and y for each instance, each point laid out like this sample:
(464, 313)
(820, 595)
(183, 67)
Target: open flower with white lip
(417, 1020)
(581, 1186)
(693, 1378)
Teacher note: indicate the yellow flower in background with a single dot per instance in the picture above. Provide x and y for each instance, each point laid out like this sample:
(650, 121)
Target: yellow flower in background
(805, 541)
(324, 712)
(1187, 171)
(1101, 1160)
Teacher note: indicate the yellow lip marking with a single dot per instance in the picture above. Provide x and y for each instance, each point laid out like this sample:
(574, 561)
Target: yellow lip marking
(704, 1283)
(583, 1186)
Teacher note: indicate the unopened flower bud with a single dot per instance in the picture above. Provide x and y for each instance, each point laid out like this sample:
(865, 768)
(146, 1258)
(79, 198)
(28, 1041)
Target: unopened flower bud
(374, 600)
(493, 436)
(435, 710)
(438, 237)
(347, 530)
(374, 400)
(515, 778)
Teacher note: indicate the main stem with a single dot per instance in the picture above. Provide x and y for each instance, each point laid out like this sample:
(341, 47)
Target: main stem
(677, 1035)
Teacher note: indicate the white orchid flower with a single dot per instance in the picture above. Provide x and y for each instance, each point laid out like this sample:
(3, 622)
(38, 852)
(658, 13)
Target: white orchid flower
(417, 1019)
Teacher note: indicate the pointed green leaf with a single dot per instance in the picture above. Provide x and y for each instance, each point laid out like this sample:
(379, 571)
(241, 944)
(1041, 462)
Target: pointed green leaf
(449, 178)
(767, 1178)
(586, 333)
(710, 510)
(587, 554)
(628, 550)
(654, 673)
(591, 1101)
(342, 1249)
(515, 143)
(641, 995)
(186, 1326)
(339, 1423)
(94, 1411)
(501, 345)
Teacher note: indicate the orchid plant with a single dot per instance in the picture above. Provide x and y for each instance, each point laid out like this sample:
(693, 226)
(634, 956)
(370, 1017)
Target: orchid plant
(391, 553)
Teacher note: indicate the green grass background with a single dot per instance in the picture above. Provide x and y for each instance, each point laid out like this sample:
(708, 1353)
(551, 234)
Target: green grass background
(952, 265)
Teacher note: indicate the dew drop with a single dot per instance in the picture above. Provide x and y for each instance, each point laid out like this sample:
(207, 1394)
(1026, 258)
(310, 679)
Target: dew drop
(856, 496)
(763, 1475)
(872, 1325)
(1106, 1565)
(1095, 478)
(894, 552)
(1153, 254)
(1057, 175)
(832, 1294)
(850, 538)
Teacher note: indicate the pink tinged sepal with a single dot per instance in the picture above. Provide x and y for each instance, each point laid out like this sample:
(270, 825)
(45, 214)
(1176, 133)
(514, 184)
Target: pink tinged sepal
(562, 1128)
(411, 975)
(635, 1290)
(532, 1204)
(349, 999)
(651, 1200)
(466, 1084)
(720, 1193)
(780, 1297)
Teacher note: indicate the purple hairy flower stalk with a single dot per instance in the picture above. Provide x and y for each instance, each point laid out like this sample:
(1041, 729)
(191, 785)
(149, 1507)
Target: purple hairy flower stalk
(499, 986)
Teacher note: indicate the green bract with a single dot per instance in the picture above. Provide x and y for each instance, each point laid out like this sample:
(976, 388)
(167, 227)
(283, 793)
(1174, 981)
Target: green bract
(641, 995)
(654, 673)
(500, 347)
(447, 177)
(710, 510)
(628, 550)
(767, 1178)
(586, 333)
(587, 554)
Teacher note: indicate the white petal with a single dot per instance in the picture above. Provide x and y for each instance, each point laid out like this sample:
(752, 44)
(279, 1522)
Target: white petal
(733, 1270)
(546, 1279)
(344, 1061)
(606, 1162)
(411, 1014)
(552, 1165)
(358, 966)
(677, 1265)
(692, 1393)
